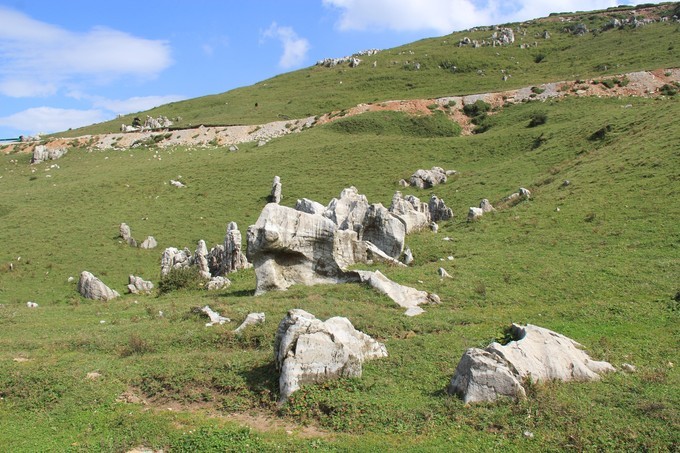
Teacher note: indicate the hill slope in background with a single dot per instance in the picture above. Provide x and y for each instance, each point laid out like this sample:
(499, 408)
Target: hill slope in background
(425, 69)
(596, 260)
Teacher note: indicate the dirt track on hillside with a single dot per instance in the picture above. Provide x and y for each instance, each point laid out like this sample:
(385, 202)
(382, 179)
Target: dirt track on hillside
(636, 84)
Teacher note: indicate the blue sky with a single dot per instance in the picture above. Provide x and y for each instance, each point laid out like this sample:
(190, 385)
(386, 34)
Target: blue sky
(74, 62)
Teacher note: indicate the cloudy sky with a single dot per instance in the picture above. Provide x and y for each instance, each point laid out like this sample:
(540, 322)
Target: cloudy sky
(72, 63)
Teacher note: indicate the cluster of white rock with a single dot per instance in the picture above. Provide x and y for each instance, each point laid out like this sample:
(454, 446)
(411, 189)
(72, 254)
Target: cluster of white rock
(425, 179)
(41, 153)
(213, 265)
(502, 36)
(352, 60)
(313, 244)
(125, 233)
(535, 353)
(150, 123)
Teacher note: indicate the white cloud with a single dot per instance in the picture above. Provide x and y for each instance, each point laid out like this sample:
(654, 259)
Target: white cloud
(49, 119)
(35, 55)
(294, 48)
(446, 16)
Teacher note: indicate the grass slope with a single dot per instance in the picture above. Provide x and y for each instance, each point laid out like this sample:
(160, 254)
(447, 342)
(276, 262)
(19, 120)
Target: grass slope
(317, 90)
(601, 270)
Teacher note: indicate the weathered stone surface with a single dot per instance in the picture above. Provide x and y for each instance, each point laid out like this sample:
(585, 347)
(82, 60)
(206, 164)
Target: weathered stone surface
(384, 230)
(215, 318)
(438, 209)
(349, 211)
(474, 214)
(251, 320)
(149, 243)
(309, 206)
(536, 353)
(217, 282)
(31, 304)
(524, 193)
(434, 227)
(177, 184)
(308, 350)
(174, 259)
(288, 247)
(404, 296)
(443, 274)
(486, 206)
(234, 258)
(125, 233)
(201, 259)
(275, 195)
(408, 256)
(424, 179)
(413, 214)
(91, 287)
(137, 285)
(41, 153)
(484, 376)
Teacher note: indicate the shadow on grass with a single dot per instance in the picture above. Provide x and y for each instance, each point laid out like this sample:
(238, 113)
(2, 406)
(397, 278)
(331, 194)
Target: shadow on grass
(262, 379)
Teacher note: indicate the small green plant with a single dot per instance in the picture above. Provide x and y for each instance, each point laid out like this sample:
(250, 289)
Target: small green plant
(608, 83)
(538, 118)
(537, 90)
(477, 108)
(601, 133)
(669, 89)
(180, 278)
(136, 345)
(539, 57)
(433, 106)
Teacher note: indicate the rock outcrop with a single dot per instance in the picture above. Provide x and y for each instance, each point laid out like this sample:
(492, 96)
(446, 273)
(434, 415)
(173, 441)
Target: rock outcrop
(308, 350)
(41, 153)
(137, 285)
(275, 195)
(413, 214)
(125, 233)
(91, 287)
(535, 353)
(474, 214)
(404, 296)
(438, 209)
(252, 319)
(309, 206)
(215, 318)
(149, 243)
(486, 206)
(425, 179)
(234, 259)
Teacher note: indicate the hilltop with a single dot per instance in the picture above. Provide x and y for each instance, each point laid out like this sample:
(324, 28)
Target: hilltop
(587, 123)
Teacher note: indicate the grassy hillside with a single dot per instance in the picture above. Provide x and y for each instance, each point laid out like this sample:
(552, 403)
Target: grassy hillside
(318, 90)
(602, 270)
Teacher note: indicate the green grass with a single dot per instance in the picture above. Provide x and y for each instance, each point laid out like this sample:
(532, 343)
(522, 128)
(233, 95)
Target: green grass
(601, 270)
(317, 90)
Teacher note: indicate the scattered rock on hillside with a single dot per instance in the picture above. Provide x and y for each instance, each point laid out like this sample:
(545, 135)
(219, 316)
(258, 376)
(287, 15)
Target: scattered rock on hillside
(474, 214)
(425, 179)
(413, 214)
(215, 318)
(275, 196)
(41, 153)
(404, 296)
(439, 210)
(486, 206)
(308, 350)
(174, 259)
(31, 304)
(535, 352)
(218, 282)
(443, 274)
(177, 184)
(200, 259)
(125, 233)
(137, 285)
(251, 320)
(91, 287)
(234, 258)
(149, 243)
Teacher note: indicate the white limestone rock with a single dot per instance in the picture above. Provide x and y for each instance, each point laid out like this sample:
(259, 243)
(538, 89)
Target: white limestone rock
(91, 287)
(41, 153)
(251, 320)
(149, 243)
(404, 296)
(413, 214)
(486, 206)
(218, 282)
(137, 285)
(309, 206)
(425, 179)
(275, 196)
(174, 259)
(535, 352)
(474, 214)
(438, 209)
(234, 258)
(201, 260)
(308, 350)
(215, 318)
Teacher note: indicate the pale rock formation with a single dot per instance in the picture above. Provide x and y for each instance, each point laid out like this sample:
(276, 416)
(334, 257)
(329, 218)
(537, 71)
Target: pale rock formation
(31, 304)
(251, 320)
(486, 206)
(403, 296)
(443, 274)
(174, 259)
(41, 153)
(217, 283)
(408, 256)
(309, 206)
(413, 214)
(384, 230)
(524, 193)
(434, 227)
(403, 183)
(201, 259)
(177, 184)
(535, 352)
(308, 350)
(91, 287)
(275, 196)
(137, 285)
(125, 233)
(438, 209)
(424, 179)
(234, 259)
(149, 243)
(215, 318)
(474, 214)
(349, 211)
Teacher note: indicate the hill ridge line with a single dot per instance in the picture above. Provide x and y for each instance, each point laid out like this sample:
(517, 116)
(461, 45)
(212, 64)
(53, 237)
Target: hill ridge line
(637, 84)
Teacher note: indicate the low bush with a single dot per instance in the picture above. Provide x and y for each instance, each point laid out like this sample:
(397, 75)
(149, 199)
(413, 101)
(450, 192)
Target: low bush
(180, 278)
(538, 119)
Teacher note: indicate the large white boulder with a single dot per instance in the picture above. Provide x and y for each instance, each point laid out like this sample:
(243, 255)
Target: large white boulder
(91, 287)
(535, 353)
(308, 350)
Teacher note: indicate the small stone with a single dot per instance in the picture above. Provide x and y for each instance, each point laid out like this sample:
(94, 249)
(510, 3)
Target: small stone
(528, 434)
(628, 368)
(92, 375)
(31, 304)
